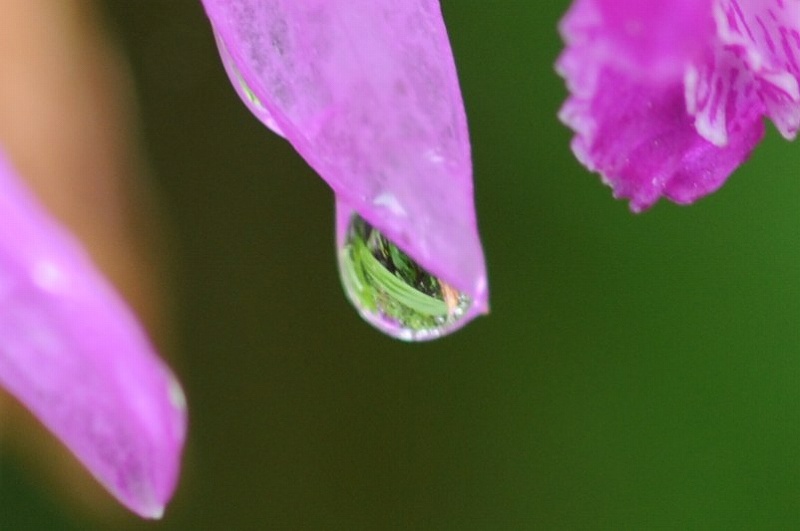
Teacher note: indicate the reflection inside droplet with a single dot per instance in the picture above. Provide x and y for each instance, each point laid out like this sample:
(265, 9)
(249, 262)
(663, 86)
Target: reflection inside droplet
(244, 90)
(392, 292)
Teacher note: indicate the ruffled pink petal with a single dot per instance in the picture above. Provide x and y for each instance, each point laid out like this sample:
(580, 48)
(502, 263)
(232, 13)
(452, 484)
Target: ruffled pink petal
(367, 92)
(722, 96)
(765, 34)
(653, 40)
(644, 144)
(676, 130)
(72, 352)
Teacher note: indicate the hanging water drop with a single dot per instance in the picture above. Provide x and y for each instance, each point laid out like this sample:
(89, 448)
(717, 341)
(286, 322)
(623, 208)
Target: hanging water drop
(246, 93)
(392, 292)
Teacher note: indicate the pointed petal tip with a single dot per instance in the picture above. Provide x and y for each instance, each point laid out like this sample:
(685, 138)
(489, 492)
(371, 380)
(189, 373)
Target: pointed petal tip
(73, 353)
(376, 110)
(152, 513)
(481, 296)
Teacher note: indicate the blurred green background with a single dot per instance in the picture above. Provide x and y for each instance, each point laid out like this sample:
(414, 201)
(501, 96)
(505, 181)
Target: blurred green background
(638, 372)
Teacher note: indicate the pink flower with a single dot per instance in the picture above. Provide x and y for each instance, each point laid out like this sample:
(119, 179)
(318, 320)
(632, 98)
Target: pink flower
(367, 92)
(72, 352)
(668, 97)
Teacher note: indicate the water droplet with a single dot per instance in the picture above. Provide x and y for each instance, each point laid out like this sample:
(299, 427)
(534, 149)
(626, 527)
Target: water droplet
(176, 395)
(392, 292)
(248, 92)
(243, 89)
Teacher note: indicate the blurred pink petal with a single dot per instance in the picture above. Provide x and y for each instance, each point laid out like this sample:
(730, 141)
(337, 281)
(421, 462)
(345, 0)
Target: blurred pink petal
(367, 92)
(72, 352)
(667, 97)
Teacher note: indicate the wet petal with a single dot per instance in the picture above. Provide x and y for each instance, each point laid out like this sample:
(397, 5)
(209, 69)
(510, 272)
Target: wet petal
(366, 91)
(72, 352)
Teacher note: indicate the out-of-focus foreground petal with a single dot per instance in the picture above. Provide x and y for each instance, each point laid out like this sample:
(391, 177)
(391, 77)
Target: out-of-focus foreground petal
(72, 352)
(667, 97)
(367, 92)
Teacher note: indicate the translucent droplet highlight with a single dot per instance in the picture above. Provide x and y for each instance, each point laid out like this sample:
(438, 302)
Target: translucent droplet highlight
(392, 292)
(244, 90)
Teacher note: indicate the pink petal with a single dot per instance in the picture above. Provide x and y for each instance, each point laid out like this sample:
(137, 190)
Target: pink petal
(765, 34)
(366, 91)
(644, 144)
(72, 352)
(722, 96)
(658, 106)
(653, 40)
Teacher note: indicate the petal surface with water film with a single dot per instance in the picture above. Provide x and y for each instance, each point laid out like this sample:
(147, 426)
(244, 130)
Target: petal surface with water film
(367, 92)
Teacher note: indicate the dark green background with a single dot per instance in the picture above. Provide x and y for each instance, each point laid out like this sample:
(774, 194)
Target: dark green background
(637, 372)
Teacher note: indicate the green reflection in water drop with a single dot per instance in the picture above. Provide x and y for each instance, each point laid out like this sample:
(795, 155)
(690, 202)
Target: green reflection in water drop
(392, 292)
(251, 96)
